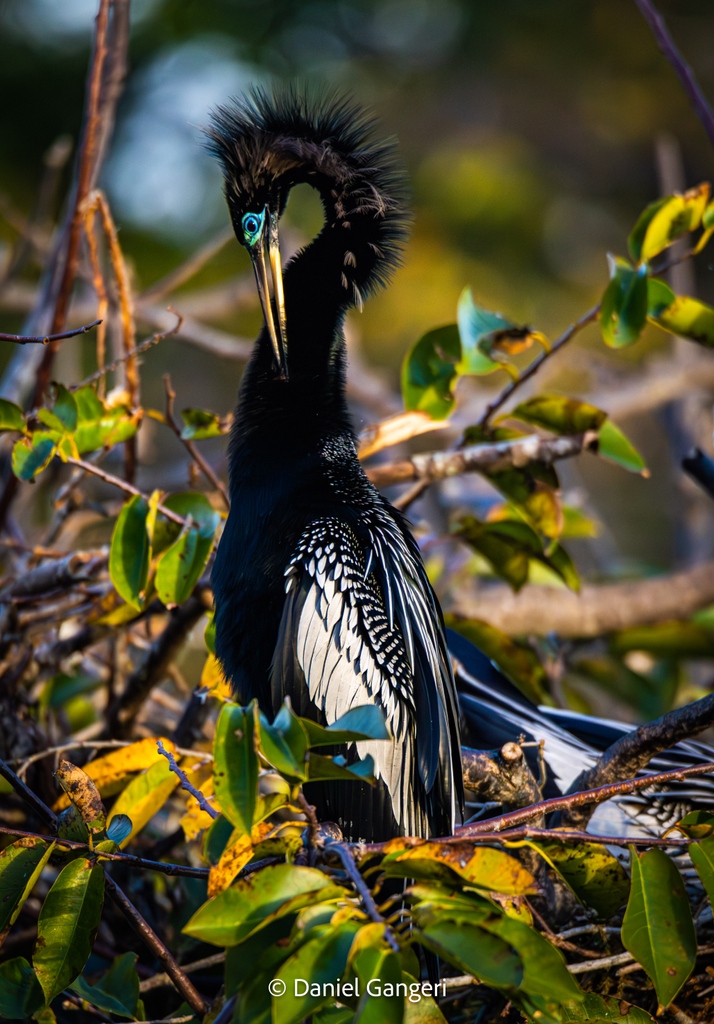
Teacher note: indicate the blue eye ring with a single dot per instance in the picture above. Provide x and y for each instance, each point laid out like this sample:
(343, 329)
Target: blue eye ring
(252, 224)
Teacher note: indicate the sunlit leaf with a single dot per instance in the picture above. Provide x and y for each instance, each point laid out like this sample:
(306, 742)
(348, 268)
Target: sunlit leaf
(365, 722)
(144, 797)
(11, 416)
(614, 446)
(235, 771)
(674, 639)
(255, 901)
(680, 314)
(375, 966)
(560, 414)
(623, 309)
(596, 1010)
(68, 920)
(112, 771)
(480, 866)
(30, 455)
(697, 825)
(83, 793)
(61, 411)
(200, 424)
(321, 959)
(478, 329)
(19, 864)
(320, 769)
(429, 372)
(595, 876)
(665, 220)
(130, 554)
(235, 856)
(99, 426)
(657, 928)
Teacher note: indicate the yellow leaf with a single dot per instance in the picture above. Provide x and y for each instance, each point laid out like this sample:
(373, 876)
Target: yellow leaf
(195, 820)
(233, 859)
(111, 772)
(213, 679)
(81, 790)
(145, 795)
(395, 430)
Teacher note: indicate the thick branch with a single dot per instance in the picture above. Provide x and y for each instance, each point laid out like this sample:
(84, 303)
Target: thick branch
(503, 777)
(597, 609)
(635, 750)
(479, 457)
(56, 574)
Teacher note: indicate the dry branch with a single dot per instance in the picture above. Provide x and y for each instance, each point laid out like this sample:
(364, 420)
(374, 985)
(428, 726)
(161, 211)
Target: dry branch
(635, 750)
(597, 609)
(432, 466)
(39, 339)
(503, 777)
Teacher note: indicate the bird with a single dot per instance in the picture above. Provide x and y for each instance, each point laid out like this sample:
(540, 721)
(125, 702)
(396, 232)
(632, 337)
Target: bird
(321, 595)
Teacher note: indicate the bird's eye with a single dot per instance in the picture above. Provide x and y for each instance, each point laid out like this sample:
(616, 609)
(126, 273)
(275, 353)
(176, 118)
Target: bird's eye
(251, 224)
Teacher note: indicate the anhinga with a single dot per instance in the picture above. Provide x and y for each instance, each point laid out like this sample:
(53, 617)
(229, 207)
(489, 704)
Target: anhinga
(320, 590)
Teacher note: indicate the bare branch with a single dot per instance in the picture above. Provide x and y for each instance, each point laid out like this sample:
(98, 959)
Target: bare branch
(142, 928)
(635, 750)
(597, 609)
(191, 448)
(432, 466)
(365, 894)
(136, 351)
(185, 784)
(38, 339)
(125, 486)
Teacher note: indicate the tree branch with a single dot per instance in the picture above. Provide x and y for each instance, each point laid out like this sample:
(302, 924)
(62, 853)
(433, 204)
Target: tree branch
(180, 980)
(190, 447)
(39, 339)
(597, 609)
(503, 777)
(635, 750)
(494, 458)
(685, 74)
(185, 784)
(31, 799)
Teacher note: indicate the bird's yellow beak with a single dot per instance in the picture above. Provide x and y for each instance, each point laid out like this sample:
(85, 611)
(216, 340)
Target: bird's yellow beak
(268, 239)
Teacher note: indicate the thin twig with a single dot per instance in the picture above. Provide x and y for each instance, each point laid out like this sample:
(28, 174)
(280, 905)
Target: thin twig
(136, 351)
(185, 784)
(191, 448)
(142, 928)
(685, 74)
(159, 980)
(38, 339)
(535, 366)
(365, 894)
(186, 270)
(129, 859)
(601, 963)
(25, 763)
(125, 486)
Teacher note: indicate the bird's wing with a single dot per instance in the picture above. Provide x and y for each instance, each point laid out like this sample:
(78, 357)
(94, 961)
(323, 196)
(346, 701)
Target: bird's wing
(337, 649)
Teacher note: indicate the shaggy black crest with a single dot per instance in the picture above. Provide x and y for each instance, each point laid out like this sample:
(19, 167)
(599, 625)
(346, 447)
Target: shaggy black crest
(268, 142)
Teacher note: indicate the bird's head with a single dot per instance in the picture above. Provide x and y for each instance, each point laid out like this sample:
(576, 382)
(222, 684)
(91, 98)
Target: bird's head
(267, 143)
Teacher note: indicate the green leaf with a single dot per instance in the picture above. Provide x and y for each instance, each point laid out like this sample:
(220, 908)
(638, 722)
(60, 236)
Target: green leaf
(560, 414)
(285, 742)
(680, 314)
(473, 949)
(235, 770)
(259, 954)
(376, 966)
(510, 545)
(19, 865)
(130, 553)
(320, 769)
(209, 634)
(20, 992)
(11, 416)
(697, 825)
(198, 507)
(365, 722)
(319, 962)
(30, 455)
(68, 920)
(623, 310)
(429, 372)
(614, 446)
(61, 413)
(664, 221)
(666, 640)
(516, 660)
(258, 900)
(180, 566)
(117, 991)
(533, 495)
(702, 855)
(596, 1010)
(657, 928)
(200, 424)
(595, 876)
(99, 426)
(477, 326)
